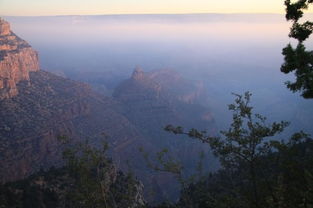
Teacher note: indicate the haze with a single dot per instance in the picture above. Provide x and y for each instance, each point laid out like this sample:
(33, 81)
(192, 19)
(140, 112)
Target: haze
(92, 7)
(230, 52)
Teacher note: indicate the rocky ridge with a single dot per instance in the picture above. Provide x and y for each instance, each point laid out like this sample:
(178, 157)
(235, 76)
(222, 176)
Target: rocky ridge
(151, 101)
(17, 59)
(52, 106)
(36, 107)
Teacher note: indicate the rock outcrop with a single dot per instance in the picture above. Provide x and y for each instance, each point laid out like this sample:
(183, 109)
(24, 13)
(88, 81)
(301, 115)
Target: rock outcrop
(138, 74)
(187, 91)
(166, 95)
(36, 107)
(17, 59)
(52, 106)
(152, 101)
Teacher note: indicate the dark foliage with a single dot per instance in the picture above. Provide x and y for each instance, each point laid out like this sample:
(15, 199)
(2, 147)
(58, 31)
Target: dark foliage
(299, 59)
(89, 179)
(258, 170)
(284, 180)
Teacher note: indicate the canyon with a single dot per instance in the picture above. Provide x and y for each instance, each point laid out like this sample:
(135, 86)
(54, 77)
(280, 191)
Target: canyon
(36, 107)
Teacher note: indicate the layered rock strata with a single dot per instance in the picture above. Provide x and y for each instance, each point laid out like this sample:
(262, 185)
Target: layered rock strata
(17, 59)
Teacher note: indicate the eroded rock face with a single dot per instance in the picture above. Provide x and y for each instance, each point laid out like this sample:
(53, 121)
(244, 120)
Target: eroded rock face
(151, 101)
(17, 59)
(138, 74)
(4, 27)
(36, 107)
(51, 106)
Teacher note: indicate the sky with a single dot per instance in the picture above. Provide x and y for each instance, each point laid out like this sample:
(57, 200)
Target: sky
(94, 7)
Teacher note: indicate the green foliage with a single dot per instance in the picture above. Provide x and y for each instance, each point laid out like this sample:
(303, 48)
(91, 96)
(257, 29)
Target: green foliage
(163, 162)
(284, 179)
(92, 172)
(245, 140)
(97, 182)
(31, 192)
(88, 179)
(257, 169)
(293, 181)
(299, 59)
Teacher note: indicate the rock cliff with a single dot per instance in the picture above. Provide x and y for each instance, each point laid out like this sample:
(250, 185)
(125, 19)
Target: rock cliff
(37, 106)
(51, 106)
(17, 59)
(164, 96)
(187, 91)
(153, 100)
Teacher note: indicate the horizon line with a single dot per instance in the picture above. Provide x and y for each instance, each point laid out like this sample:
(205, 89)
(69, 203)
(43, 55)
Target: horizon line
(120, 14)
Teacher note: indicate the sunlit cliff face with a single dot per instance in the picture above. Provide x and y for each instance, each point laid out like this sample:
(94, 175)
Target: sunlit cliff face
(17, 59)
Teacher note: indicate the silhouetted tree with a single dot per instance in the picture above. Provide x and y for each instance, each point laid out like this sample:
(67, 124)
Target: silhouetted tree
(299, 59)
(245, 142)
(257, 170)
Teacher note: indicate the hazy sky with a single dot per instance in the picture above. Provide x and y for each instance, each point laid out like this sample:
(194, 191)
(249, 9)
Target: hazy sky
(75, 7)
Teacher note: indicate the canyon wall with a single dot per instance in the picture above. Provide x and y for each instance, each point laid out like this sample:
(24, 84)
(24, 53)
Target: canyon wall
(36, 107)
(17, 59)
